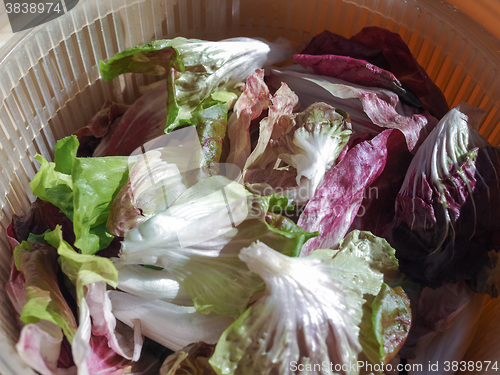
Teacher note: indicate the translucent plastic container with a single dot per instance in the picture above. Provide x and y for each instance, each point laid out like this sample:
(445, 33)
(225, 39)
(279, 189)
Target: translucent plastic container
(50, 83)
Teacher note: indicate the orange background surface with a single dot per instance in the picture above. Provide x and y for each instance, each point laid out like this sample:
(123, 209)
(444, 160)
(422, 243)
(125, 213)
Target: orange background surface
(485, 12)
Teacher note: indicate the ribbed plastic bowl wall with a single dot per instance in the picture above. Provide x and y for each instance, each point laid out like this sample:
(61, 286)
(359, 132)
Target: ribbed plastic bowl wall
(50, 85)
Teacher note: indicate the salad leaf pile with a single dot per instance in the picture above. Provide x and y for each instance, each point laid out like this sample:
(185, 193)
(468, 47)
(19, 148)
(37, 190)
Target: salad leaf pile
(260, 210)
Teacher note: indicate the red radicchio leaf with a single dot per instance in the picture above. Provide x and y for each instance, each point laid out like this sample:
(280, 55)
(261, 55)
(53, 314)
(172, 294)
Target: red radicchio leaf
(337, 200)
(405, 67)
(143, 121)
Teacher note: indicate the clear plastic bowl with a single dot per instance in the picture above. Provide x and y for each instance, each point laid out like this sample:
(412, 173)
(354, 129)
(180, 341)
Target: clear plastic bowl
(50, 83)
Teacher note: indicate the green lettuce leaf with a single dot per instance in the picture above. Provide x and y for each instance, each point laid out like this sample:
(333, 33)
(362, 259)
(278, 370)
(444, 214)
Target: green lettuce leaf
(385, 325)
(47, 313)
(156, 58)
(52, 185)
(375, 252)
(44, 300)
(290, 237)
(83, 189)
(386, 313)
(81, 269)
(273, 203)
(96, 182)
(329, 307)
(313, 145)
(65, 151)
(196, 69)
(196, 241)
(308, 315)
(211, 127)
(86, 272)
(222, 284)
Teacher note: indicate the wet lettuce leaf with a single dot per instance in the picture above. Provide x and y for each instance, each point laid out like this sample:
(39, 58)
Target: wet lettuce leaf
(386, 324)
(42, 347)
(356, 71)
(253, 101)
(287, 233)
(173, 326)
(196, 69)
(206, 264)
(95, 346)
(386, 50)
(277, 122)
(337, 200)
(83, 189)
(309, 314)
(212, 128)
(37, 260)
(312, 308)
(312, 146)
(371, 109)
(377, 209)
(141, 122)
(47, 315)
